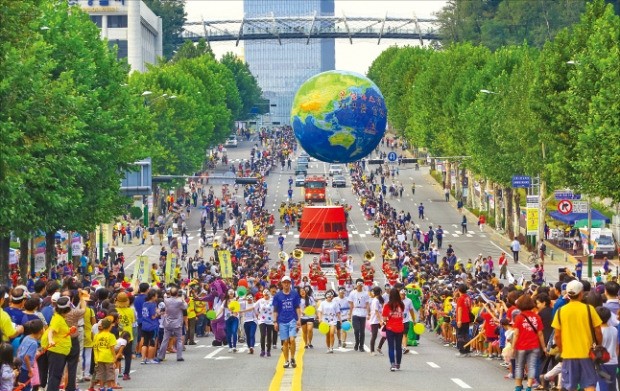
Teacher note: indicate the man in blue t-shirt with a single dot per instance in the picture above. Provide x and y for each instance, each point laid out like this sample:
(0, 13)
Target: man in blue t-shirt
(286, 319)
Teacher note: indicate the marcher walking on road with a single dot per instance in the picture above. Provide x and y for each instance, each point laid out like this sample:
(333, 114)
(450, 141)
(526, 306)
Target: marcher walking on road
(359, 302)
(446, 193)
(173, 324)
(421, 211)
(393, 313)
(287, 316)
(515, 246)
(464, 225)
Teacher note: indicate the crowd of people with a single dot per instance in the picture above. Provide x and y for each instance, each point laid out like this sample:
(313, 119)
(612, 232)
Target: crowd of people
(62, 331)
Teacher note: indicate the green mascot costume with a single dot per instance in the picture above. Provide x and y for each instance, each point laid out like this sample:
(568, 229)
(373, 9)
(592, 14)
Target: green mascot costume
(414, 293)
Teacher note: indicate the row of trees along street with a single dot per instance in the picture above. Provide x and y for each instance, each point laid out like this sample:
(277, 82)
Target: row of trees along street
(551, 110)
(73, 119)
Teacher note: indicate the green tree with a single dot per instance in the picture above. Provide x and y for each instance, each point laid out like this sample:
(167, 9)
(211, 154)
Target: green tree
(506, 22)
(247, 85)
(173, 17)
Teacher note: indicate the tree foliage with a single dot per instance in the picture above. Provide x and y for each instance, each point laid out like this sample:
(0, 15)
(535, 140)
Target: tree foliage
(497, 23)
(550, 110)
(247, 85)
(173, 16)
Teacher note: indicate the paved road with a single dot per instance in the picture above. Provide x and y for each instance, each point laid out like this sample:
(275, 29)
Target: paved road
(430, 366)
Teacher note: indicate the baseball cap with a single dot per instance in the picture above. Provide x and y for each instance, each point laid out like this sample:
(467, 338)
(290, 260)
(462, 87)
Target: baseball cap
(56, 296)
(574, 288)
(286, 278)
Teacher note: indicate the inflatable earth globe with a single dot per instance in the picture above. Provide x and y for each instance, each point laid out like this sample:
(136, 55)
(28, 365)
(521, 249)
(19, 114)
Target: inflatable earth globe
(338, 116)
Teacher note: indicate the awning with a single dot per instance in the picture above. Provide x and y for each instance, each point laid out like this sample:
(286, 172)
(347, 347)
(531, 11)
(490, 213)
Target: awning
(593, 224)
(572, 218)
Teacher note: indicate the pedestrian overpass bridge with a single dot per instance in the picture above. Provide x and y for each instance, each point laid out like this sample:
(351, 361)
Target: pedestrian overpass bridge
(286, 28)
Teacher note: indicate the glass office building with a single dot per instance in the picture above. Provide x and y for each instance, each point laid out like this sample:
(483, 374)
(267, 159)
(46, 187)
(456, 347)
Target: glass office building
(281, 69)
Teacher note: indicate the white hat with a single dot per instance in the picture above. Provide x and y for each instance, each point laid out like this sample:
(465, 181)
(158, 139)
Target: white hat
(574, 288)
(55, 296)
(286, 278)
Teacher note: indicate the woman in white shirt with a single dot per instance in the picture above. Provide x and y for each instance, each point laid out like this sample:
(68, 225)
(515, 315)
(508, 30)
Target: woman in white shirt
(307, 322)
(376, 306)
(264, 317)
(329, 312)
(249, 321)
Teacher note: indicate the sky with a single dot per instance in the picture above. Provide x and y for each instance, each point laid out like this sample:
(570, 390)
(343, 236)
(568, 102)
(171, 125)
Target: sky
(357, 57)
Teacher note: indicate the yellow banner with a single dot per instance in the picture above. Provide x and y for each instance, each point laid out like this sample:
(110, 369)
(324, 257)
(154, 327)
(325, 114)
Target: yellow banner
(171, 263)
(249, 226)
(141, 271)
(226, 269)
(532, 221)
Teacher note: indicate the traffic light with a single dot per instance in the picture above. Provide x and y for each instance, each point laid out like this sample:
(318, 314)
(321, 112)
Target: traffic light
(409, 160)
(375, 161)
(246, 181)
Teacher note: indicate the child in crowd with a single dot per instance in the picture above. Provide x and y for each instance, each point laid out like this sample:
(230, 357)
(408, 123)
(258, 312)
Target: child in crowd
(8, 373)
(27, 352)
(104, 343)
(119, 348)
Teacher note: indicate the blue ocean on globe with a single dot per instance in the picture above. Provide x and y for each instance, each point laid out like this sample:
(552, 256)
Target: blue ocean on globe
(339, 116)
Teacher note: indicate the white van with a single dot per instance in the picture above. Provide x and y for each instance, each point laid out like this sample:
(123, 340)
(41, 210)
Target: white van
(605, 243)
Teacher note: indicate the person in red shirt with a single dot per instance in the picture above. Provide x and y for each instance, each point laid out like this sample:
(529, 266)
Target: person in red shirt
(393, 313)
(463, 309)
(491, 324)
(528, 341)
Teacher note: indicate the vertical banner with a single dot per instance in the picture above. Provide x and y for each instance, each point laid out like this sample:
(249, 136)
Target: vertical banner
(76, 244)
(249, 227)
(532, 221)
(39, 253)
(226, 270)
(169, 268)
(141, 271)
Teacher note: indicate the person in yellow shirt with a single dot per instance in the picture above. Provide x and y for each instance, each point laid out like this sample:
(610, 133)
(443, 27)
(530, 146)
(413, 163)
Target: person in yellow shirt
(89, 321)
(105, 356)
(154, 277)
(126, 320)
(575, 325)
(7, 329)
(191, 319)
(57, 340)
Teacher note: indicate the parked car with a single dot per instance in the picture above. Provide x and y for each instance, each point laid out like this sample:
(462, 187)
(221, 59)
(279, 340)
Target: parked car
(335, 169)
(231, 141)
(339, 181)
(304, 155)
(300, 180)
(301, 170)
(303, 161)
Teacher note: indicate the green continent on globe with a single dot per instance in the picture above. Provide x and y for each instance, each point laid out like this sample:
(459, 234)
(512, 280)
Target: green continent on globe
(318, 95)
(344, 139)
(338, 116)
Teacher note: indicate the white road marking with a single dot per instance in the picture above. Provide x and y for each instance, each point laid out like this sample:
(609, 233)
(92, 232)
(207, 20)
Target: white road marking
(455, 235)
(362, 235)
(366, 348)
(413, 352)
(460, 383)
(471, 232)
(482, 235)
(222, 358)
(354, 232)
(134, 261)
(214, 353)
(199, 346)
(469, 236)
(432, 364)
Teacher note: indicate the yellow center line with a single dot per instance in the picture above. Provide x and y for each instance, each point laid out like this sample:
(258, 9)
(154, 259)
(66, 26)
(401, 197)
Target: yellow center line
(283, 380)
(297, 374)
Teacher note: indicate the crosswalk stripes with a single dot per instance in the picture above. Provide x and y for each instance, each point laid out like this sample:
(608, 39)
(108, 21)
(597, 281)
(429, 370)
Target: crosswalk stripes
(367, 233)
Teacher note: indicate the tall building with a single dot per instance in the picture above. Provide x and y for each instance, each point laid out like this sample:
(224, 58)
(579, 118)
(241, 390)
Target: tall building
(281, 69)
(130, 25)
